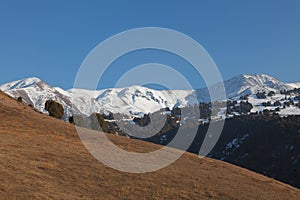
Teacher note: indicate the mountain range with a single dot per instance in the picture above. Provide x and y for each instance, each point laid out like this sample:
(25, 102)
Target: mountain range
(243, 139)
(138, 100)
(43, 158)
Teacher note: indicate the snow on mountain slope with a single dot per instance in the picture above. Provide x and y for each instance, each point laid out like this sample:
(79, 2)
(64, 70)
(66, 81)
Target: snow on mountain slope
(251, 84)
(36, 92)
(248, 84)
(21, 84)
(131, 100)
(136, 99)
(294, 85)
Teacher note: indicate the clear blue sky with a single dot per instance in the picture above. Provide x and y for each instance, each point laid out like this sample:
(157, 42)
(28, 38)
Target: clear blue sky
(50, 39)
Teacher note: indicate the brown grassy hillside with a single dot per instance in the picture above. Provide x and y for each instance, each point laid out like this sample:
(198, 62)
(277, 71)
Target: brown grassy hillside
(43, 158)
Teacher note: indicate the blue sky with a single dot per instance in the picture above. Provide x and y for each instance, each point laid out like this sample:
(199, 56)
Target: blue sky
(50, 39)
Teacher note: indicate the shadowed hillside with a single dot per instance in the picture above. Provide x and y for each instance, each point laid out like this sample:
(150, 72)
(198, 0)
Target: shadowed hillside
(42, 157)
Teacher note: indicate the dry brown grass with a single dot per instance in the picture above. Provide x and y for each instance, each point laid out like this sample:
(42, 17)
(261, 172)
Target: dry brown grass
(43, 158)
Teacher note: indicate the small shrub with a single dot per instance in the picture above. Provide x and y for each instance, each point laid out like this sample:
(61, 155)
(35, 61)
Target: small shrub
(265, 104)
(71, 120)
(55, 109)
(97, 122)
(261, 95)
(270, 94)
(246, 97)
(19, 99)
(277, 103)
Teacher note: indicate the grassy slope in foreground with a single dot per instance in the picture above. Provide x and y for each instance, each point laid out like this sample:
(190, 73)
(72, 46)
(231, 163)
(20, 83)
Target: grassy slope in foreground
(41, 157)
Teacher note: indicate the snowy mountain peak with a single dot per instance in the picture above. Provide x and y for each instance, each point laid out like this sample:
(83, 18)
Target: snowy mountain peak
(19, 84)
(261, 79)
(251, 83)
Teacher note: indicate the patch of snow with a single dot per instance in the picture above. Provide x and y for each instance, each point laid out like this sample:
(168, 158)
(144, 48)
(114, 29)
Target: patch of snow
(290, 111)
(234, 144)
(294, 85)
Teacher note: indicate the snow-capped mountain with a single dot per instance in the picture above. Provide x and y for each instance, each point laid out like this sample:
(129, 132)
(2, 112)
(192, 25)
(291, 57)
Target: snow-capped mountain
(248, 84)
(294, 85)
(131, 100)
(135, 99)
(36, 92)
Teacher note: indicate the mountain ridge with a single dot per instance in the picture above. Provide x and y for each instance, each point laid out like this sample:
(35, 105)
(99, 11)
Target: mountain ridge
(134, 99)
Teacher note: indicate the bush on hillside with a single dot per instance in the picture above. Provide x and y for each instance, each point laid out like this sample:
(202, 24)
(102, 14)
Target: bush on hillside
(71, 120)
(55, 109)
(265, 104)
(97, 122)
(245, 97)
(271, 93)
(261, 95)
(19, 99)
(277, 103)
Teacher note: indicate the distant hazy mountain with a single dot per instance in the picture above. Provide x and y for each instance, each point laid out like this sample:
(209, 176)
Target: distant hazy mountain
(135, 99)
